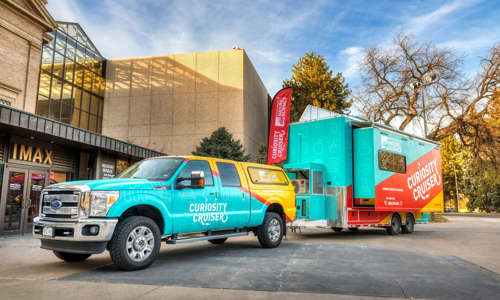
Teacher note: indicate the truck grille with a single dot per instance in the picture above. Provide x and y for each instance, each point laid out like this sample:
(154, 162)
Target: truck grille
(60, 204)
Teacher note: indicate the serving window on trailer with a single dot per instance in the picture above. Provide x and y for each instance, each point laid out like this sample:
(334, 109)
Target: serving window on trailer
(309, 191)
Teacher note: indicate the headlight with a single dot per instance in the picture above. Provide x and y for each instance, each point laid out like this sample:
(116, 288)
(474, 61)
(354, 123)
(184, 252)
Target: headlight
(101, 202)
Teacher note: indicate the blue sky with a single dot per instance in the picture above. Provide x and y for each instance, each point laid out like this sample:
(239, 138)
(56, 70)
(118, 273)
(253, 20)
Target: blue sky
(276, 34)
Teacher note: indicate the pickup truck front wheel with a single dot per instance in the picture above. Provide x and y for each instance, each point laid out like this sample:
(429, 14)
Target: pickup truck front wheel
(270, 233)
(135, 243)
(71, 257)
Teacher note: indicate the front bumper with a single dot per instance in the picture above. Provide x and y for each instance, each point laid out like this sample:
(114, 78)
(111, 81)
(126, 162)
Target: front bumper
(106, 229)
(70, 236)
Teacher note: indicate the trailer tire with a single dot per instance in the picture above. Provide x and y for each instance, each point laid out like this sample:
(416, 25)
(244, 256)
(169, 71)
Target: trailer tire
(218, 241)
(353, 228)
(270, 233)
(71, 257)
(337, 229)
(409, 226)
(395, 226)
(130, 241)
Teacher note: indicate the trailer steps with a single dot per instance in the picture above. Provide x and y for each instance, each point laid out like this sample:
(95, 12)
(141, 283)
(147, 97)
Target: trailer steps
(175, 240)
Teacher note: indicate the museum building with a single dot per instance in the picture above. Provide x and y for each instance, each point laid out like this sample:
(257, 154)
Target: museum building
(68, 113)
(46, 141)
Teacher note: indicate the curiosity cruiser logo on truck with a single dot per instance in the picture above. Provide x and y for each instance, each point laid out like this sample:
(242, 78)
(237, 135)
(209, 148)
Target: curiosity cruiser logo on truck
(423, 180)
(205, 213)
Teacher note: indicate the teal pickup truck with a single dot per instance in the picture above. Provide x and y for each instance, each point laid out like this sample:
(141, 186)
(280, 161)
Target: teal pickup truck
(172, 199)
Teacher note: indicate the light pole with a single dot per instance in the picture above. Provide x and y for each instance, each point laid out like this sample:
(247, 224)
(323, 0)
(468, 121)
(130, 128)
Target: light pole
(429, 79)
(456, 185)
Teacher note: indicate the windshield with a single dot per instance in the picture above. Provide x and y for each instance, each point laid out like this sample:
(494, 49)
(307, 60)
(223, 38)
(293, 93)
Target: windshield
(153, 169)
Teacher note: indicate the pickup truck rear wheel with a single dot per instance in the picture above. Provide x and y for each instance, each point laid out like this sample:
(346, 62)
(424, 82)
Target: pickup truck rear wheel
(218, 241)
(135, 243)
(270, 233)
(71, 257)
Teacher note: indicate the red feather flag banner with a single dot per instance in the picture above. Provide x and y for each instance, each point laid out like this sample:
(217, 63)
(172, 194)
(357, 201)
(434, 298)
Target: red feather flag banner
(278, 130)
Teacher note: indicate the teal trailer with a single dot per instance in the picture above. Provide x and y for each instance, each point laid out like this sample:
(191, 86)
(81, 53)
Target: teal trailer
(350, 172)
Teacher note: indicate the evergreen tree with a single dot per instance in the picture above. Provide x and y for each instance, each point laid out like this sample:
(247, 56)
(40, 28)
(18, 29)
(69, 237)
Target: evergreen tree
(221, 145)
(313, 83)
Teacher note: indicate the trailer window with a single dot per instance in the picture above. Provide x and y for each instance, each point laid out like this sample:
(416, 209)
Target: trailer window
(317, 182)
(267, 176)
(393, 162)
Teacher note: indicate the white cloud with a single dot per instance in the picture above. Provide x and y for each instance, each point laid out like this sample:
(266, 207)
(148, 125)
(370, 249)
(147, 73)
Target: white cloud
(352, 57)
(424, 22)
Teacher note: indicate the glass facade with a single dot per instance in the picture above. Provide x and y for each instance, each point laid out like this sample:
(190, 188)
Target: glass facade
(71, 84)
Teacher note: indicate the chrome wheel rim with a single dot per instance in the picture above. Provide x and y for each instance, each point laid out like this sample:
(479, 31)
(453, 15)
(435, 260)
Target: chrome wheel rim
(274, 230)
(140, 243)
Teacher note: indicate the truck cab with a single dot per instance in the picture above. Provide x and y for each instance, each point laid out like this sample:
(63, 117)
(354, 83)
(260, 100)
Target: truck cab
(174, 199)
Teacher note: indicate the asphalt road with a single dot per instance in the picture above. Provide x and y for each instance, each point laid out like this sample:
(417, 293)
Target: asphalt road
(455, 260)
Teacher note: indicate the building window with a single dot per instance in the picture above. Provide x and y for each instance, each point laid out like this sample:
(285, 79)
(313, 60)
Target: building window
(71, 84)
(393, 162)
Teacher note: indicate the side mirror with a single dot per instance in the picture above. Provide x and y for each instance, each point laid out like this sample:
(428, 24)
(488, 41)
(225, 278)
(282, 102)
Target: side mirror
(197, 179)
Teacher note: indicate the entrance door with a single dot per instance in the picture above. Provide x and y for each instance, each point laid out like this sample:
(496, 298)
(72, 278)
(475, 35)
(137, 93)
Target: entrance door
(36, 182)
(21, 190)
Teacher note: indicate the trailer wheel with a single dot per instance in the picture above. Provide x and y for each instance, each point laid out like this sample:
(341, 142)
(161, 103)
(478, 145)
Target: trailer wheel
(270, 233)
(337, 229)
(409, 226)
(353, 228)
(395, 227)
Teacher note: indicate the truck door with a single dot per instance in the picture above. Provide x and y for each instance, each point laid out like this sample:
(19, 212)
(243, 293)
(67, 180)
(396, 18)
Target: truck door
(194, 209)
(236, 202)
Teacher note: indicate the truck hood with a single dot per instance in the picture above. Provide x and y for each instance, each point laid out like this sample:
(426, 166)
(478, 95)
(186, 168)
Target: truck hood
(114, 184)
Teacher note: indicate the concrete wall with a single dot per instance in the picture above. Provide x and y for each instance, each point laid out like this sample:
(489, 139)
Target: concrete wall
(256, 104)
(169, 103)
(22, 27)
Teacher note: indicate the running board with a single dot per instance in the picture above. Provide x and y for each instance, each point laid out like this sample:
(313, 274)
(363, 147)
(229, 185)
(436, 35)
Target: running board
(206, 237)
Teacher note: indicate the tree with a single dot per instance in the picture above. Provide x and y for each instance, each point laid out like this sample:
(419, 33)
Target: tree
(387, 73)
(313, 83)
(222, 145)
(452, 170)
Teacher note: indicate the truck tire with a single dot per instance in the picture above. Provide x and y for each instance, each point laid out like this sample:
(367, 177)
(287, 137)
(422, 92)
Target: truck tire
(395, 227)
(337, 229)
(135, 244)
(71, 257)
(409, 226)
(218, 241)
(270, 233)
(353, 228)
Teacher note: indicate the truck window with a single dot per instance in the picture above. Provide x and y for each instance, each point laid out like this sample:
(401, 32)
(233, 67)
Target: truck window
(153, 169)
(197, 165)
(228, 174)
(393, 162)
(267, 176)
(317, 182)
